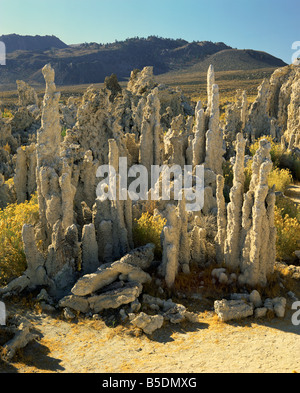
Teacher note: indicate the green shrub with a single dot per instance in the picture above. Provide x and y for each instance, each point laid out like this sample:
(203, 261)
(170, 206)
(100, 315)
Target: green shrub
(148, 230)
(281, 178)
(288, 207)
(288, 235)
(12, 219)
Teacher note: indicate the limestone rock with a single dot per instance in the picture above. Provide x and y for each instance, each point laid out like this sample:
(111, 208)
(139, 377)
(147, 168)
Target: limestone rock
(141, 82)
(115, 299)
(255, 298)
(27, 95)
(22, 336)
(279, 305)
(76, 303)
(148, 323)
(141, 257)
(89, 249)
(260, 312)
(107, 274)
(228, 310)
(250, 234)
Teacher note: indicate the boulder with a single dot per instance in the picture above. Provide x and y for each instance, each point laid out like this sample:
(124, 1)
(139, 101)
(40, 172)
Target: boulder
(228, 310)
(148, 323)
(76, 303)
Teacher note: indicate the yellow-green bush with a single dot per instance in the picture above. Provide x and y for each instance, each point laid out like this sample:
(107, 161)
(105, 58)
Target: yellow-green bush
(12, 219)
(288, 207)
(288, 235)
(6, 114)
(281, 178)
(148, 229)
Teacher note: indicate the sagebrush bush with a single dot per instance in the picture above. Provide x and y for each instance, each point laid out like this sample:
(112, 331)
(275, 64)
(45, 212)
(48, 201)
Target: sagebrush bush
(281, 178)
(288, 207)
(12, 219)
(288, 235)
(6, 114)
(148, 229)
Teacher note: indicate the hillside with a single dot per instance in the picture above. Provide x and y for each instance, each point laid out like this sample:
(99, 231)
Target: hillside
(91, 62)
(235, 59)
(16, 42)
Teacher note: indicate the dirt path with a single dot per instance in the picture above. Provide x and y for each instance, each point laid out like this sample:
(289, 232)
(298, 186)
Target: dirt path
(208, 346)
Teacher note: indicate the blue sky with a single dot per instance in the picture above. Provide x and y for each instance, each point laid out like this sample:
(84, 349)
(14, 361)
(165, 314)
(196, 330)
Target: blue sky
(267, 25)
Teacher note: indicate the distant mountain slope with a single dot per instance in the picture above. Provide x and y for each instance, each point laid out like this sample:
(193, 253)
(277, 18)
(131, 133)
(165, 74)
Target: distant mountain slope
(237, 59)
(91, 62)
(16, 42)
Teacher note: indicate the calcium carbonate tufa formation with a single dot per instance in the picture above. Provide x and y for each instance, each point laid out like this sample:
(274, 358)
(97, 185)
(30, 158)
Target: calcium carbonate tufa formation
(275, 111)
(87, 258)
(246, 240)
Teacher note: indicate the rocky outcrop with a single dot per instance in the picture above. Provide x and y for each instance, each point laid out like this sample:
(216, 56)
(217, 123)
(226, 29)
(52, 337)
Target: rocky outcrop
(27, 95)
(25, 172)
(235, 120)
(150, 143)
(141, 82)
(275, 111)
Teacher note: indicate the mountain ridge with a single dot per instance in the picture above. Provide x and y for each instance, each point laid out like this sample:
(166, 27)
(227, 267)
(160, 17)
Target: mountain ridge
(88, 63)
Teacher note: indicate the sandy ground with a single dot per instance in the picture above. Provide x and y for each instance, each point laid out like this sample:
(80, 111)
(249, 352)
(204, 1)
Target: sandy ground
(89, 346)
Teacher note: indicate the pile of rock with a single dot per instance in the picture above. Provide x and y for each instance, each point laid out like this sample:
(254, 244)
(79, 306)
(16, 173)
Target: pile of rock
(119, 284)
(113, 284)
(164, 311)
(243, 305)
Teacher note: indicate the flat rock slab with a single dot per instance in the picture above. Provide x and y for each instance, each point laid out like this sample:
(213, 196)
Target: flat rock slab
(116, 298)
(106, 275)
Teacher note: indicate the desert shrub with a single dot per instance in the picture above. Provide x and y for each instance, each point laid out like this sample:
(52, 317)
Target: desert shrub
(281, 158)
(288, 207)
(12, 219)
(10, 182)
(7, 148)
(288, 235)
(63, 132)
(6, 114)
(147, 229)
(281, 178)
